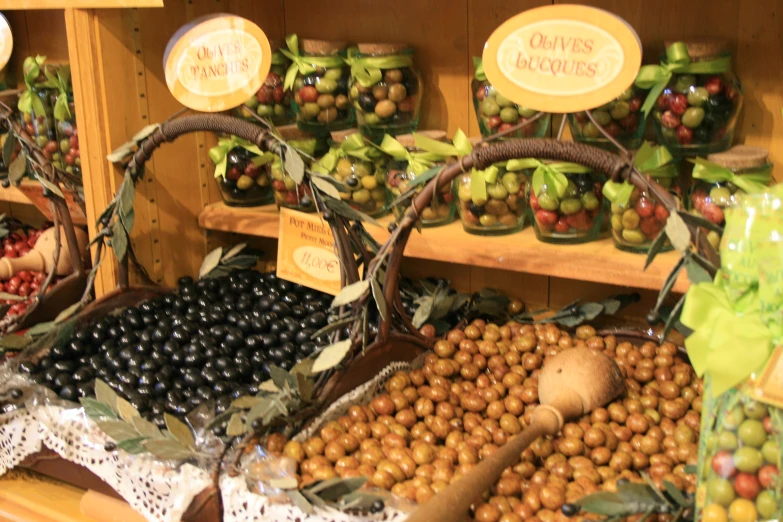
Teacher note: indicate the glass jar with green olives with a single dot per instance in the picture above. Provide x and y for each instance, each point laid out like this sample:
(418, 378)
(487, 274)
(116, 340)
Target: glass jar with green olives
(496, 113)
(240, 172)
(721, 179)
(566, 202)
(621, 118)
(38, 121)
(359, 168)
(272, 101)
(287, 192)
(320, 85)
(700, 98)
(492, 202)
(385, 89)
(406, 163)
(67, 133)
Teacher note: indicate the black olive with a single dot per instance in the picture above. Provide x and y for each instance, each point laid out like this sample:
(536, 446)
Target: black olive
(145, 391)
(270, 340)
(86, 389)
(82, 375)
(307, 348)
(62, 379)
(569, 509)
(65, 366)
(367, 102)
(58, 353)
(221, 387)
(289, 350)
(230, 374)
(178, 358)
(30, 366)
(281, 309)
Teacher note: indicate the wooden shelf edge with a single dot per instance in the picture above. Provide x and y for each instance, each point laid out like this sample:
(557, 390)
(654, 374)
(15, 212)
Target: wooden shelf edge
(9, 5)
(597, 262)
(14, 195)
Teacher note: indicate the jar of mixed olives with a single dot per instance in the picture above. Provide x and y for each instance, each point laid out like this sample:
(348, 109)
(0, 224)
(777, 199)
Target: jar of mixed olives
(319, 79)
(565, 200)
(36, 104)
(67, 133)
(721, 179)
(385, 89)
(492, 201)
(637, 218)
(359, 168)
(621, 118)
(240, 172)
(414, 159)
(695, 98)
(287, 192)
(496, 113)
(272, 101)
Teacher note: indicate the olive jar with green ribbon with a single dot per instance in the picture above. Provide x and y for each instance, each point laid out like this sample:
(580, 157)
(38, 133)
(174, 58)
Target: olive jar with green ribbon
(414, 159)
(272, 101)
(64, 112)
(385, 89)
(319, 78)
(721, 179)
(360, 168)
(694, 97)
(286, 191)
(637, 218)
(621, 118)
(492, 201)
(240, 172)
(496, 113)
(565, 200)
(36, 106)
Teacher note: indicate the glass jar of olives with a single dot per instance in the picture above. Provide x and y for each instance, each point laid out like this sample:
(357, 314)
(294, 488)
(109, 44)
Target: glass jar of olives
(721, 179)
(67, 133)
(492, 201)
(38, 121)
(410, 166)
(240, 172)
(286, 191)
(695, 99)
(496, 113)
(319, 78)
(621, 118)
(272, 101)
(385, 89)
(358, 167)
(565, 200)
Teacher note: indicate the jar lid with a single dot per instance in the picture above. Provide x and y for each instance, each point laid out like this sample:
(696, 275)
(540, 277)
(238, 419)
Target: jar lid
(342, 135)
(322, 46)
(700, 48)
(382, 48)
(741, 157)
(292, 132)
(409, 141)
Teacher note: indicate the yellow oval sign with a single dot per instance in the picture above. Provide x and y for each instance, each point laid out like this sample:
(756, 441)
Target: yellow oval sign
(6, 41)
(216, 62)
(562, 58)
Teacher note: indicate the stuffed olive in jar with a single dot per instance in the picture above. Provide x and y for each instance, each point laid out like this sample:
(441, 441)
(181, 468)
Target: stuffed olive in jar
(621, 118)
(272, 101)
(385, 90)
(320, 84)
(240, 171)
(492, 201)
(359, 168)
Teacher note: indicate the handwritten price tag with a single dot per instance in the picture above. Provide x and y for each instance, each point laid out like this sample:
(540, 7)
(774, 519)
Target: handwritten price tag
(305, 252)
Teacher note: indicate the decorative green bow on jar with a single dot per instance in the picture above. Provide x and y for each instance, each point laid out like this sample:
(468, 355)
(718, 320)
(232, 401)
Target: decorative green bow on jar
(219, 154)
(654, 161)
(353, 146)
(305, 65)
(367, 70)
(752, 181)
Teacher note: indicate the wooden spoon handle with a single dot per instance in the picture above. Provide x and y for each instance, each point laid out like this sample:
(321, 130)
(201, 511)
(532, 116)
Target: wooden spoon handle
(453, 502)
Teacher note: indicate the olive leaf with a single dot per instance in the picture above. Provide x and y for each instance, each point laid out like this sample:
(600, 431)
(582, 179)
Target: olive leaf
(281, 378)
(669, 282)
(245, 402)
(146, 428)
(422, 312)
(359, 500)
(611, 306)
(336, 325)
(118, 430)
(268, 386)
(304, 384)
(145, 132)
(96, 410)
(331, 356)
(345, 210)
(325, 187)
(675, 493)
(68, 312)
(673, 317)
(303, 367)
(333, 489)
(380, 299)
(15, 341)
(167, 449)
(121, 152)
(604, 503)
(8, 147)
(17, 168)
(697, 221)
(180, 431)
(696, 273)
(233, 251)
(590, 311)
(52, 187)
(349, 294)
(638, 493)
(294, 165)
(678, 232)
(300, 501)
(133, 446)
(119, 240)
(211, 261)
(655, 248)
(126, 410)
(106, 395)
(235, 426)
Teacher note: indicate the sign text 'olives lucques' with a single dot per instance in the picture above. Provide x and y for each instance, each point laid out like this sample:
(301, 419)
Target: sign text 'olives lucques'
(306, 253)
(216, 62)
(562, 58)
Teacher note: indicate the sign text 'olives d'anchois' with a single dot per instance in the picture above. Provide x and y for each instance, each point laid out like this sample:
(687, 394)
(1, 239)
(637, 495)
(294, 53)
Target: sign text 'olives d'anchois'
(562, 58)
(216, 62)
(6, 41)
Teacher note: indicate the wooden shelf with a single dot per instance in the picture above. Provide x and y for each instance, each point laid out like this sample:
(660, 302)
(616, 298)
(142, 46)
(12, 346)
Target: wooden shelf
(14, 195)
(31, 497)
(598, 261)
(76, 4)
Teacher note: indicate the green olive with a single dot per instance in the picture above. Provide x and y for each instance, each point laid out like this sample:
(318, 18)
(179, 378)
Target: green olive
(714, 239)
(354, 93)
(693, 117)
(751, 432)
(298, 83)
(771, 451)
(385, 109)
(496, 207)
(590, 130)
(571, 191)
(733, 418)
(397, 92)
(720, 491)
(605, 107)
(617, 223)
(748, 459)
(252, 103)
(698, 96)
(265, 110)
(361, 196)
(755, 410)
(684, 83)
(626, 95)
(509, 115)
(570, 206)
(602, 117)
(333, 74)
(620, 110)
(380, 92)
(393, 76)
(371, 118)
(727, 440)
(245, 182)
(311, 110)
(766, 505)
(548, 201)
(617, 209)
(511, 182)
(344, 168)
(488, 220)
(590, 201)
(497, 191)
(630, 219)
(527, 113)
(280, 109)
(463, 192)
(378, 194)
(489, 107)
(503, 101)
(325, 101)
(361, 169)
(41, 141)
(721, 196)
(325, 85)
(635, 237)
(290, 184)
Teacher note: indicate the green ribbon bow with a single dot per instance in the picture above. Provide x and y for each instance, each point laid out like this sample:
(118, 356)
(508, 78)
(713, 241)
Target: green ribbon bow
(29, 102)
(655, 161)
(305, 64)
(656, 77)
(479, 180)
(550, 174)
(353, 146)
(60, 82)
(305, 145)
(478, 64)
(366, 70)
(730, 341)
(219, 154)
(752, 181)
(418, 162)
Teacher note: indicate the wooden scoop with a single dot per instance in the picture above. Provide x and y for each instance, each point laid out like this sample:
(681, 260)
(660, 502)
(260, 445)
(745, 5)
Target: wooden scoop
(572, 383)
(41, 258)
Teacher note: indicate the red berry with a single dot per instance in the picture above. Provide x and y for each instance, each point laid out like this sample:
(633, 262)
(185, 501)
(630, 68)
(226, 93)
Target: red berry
(534, 201)
(51, 146)
(503, 127)
(714, 85)
(661, 214)
(670, 120)
(393, 178)
(645, 207)
(447, 197)
(264, 95)
(684, 135)
(252, 170)
(650, 227)
(663, 101)
(468, 216)
(480, 93)
(308, 94)
(562, 226)
(23, 251)
(11, 253)
(74, 142)
(31, 241)
(278, 185)
(15, 281)
(747, 485)
(630, 122)
(546, 218)
(767, 422)
(34, 285)
(233, 173)
(768, 475)
(494, 122)
(635, 103)
(278, 94)
(712, 212)
(613, 129)
(723, 464)
(678, 104)
(2, 288)
(25, 275)
(39, 277)
(24, 289)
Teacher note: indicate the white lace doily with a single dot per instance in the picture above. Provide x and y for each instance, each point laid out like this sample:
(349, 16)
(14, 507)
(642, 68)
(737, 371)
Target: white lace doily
(20, 437)
(242, 505)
